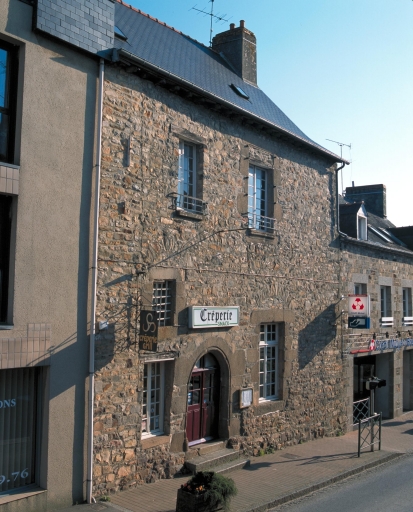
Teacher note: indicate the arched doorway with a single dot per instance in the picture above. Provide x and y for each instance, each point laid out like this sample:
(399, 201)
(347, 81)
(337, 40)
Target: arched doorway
(203, 400)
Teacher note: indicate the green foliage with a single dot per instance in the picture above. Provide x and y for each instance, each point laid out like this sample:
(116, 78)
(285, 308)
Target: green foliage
(218, 489)
(261, 452)
(105, 498)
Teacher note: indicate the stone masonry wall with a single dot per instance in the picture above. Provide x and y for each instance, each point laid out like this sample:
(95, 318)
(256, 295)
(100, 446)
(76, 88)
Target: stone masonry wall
(291, 278)
(375, 267)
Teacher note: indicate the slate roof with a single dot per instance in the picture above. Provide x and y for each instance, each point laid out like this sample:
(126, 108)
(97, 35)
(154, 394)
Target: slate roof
(180, 57)
(379, 229)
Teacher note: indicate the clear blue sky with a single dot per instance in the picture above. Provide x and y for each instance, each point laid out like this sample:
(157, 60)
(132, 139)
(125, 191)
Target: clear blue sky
(340, 69)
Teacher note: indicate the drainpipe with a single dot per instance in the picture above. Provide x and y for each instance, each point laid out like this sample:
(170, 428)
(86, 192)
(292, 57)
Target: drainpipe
(337, 201)
(89, 497)
(340, 233)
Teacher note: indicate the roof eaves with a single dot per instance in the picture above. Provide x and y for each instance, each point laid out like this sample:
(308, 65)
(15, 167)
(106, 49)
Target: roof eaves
(376, 246)
(204, 92)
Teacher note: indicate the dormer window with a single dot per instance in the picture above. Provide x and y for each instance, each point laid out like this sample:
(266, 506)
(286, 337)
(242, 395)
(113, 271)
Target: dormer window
(361, 225)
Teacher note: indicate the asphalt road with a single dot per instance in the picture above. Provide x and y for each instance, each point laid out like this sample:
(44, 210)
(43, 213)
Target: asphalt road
(387, 488)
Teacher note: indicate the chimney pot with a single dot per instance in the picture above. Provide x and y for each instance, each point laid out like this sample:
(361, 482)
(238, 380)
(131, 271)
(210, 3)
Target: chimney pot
(232, 26)
(242, 23)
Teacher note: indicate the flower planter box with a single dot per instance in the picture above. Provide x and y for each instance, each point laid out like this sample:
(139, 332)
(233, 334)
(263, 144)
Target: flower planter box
(188, 502)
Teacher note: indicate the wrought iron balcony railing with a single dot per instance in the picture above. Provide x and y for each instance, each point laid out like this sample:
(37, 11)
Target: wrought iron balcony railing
(261, 223)
(188, 204)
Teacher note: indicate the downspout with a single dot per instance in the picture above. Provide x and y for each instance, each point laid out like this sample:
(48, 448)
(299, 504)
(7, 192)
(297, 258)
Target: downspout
(89, 497)
(337, 201)
(339, 249)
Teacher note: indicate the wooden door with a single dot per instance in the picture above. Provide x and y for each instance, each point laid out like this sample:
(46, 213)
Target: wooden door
(203, 395)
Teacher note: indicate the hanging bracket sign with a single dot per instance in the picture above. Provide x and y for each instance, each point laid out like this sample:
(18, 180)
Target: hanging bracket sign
(148, 335)
(359, 311)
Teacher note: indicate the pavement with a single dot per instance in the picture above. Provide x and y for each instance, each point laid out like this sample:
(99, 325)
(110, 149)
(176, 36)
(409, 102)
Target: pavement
(274, 479)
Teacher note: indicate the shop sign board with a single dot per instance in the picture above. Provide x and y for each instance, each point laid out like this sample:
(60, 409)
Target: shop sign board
(203, 317)
(148, 335)
(359, 305)
(393, 344)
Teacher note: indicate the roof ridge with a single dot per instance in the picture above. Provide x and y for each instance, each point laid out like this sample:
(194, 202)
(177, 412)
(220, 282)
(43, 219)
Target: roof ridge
(163, 23)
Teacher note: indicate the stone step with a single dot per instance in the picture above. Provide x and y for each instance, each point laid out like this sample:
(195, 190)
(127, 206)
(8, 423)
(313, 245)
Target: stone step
(225, 459)
(204, 448)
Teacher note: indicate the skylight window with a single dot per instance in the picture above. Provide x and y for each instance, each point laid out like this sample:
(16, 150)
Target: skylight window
(119, 33)
(379, 234)
(239, 91)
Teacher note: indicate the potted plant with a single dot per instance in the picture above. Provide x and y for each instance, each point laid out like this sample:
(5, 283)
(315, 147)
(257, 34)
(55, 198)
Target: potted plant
(205, 492)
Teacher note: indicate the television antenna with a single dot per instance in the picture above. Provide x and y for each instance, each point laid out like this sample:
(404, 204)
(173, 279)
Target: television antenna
(218, 17)
(341, 144)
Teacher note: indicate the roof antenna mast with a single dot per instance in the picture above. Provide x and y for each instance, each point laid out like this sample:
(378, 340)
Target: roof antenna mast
(218, 17)
(341, 144)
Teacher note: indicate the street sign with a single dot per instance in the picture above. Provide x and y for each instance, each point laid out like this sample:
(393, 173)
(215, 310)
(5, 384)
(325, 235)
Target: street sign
(357, 322)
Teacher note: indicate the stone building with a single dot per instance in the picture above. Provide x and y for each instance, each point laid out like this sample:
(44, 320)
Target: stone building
(377, 262)
(48, 96)
(218, 263)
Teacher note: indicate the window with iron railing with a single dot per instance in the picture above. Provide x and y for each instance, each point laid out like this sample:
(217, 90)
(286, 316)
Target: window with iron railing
(189, 194)
(258, 200)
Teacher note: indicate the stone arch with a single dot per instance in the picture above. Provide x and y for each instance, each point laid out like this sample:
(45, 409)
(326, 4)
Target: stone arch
(184, 366)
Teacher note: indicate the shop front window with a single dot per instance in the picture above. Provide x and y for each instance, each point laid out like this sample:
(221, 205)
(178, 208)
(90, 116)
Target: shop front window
(18, 422)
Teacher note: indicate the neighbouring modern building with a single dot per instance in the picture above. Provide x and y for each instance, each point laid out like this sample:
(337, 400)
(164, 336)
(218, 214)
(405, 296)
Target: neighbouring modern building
(48, 98)
(218, 263)
(376, 262)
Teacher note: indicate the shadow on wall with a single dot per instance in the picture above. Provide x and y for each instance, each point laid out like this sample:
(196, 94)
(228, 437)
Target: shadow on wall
(316, 336)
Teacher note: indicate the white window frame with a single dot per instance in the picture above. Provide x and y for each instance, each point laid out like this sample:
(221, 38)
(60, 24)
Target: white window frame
(153, 399)
(407, 302)
(361, 226)
(162, 301)
(258, 198)
(187, 175)
(268, 357)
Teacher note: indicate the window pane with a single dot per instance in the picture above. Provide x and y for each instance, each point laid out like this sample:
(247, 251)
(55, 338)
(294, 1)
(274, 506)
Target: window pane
(4, 136)
(4, 65)
(18, 427)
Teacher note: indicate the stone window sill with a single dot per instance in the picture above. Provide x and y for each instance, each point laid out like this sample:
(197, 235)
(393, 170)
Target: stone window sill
(152, 441)
(22, 493)
(4, 327)
(262, 234)
(189, 215)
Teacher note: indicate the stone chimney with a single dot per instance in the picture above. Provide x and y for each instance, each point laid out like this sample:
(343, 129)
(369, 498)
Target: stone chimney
(239, 47)
(374, 197)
